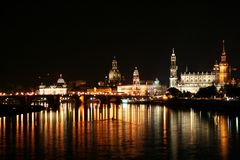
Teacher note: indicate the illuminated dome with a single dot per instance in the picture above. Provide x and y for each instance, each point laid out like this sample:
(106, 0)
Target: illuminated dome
(60, 80)
(114, 76)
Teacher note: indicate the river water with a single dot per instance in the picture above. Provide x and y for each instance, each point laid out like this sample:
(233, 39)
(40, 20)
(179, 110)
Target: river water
(124, 131)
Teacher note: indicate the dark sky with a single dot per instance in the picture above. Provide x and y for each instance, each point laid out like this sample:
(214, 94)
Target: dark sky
(80, 40)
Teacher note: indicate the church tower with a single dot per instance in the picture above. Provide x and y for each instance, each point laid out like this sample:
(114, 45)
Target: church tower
(216, 71)
(223, 68)
(173, 70)
(136, 82)
(136, 79)
(114, 76)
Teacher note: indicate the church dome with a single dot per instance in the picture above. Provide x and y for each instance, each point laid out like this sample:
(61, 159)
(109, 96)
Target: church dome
(60, 80)
(135, 72)
(114, 75)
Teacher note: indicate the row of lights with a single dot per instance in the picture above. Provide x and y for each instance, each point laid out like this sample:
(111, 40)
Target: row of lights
(72, 93)
(105, 93)
(18, 94)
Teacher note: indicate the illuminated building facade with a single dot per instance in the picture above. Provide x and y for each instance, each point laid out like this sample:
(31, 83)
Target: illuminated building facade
(193, 81)
(173, 70)
(136, 78)
(223, 69)
(59, 89)
(114, 76)
(150, 88)
(216, 71)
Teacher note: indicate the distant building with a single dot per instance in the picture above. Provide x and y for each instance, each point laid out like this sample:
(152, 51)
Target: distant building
(60, 88)
(100, 90)
(114, 76)
(223, 70)
(192, 81)
(173, 70)
(137, 88)
(235, 75)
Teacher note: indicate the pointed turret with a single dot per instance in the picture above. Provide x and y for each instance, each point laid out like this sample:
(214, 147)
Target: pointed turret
(223, 47)
(223, 56)
(186, 69)
(60, 80)
(216, 66)
(173, 53)
(136, 79)
(224, 74)
(173, 70)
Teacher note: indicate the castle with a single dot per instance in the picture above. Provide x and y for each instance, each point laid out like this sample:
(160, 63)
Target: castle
(192, 81)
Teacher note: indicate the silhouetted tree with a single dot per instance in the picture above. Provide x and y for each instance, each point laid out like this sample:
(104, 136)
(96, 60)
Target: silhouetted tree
(174, 92)
(232, 90)
(187, 94)
(207, 92)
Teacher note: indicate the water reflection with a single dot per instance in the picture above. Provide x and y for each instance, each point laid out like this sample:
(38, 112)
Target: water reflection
(102, 131)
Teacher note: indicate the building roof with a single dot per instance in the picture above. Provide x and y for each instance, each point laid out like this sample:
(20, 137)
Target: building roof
(60, 80)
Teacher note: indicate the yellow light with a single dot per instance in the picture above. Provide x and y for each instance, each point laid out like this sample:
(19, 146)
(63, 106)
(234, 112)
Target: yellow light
(165, 97)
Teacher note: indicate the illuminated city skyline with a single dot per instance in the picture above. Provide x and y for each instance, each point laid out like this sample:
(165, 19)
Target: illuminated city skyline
(80, 40)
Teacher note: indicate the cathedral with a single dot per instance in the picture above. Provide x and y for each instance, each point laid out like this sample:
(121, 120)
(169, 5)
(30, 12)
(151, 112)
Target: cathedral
(192, 81)
(114, 76)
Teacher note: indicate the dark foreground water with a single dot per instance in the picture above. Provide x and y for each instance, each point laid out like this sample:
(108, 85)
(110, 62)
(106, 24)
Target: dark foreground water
(120, 132)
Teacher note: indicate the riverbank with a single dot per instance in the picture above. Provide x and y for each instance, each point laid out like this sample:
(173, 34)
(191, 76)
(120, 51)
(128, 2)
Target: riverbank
(201, 104)
(204, 104)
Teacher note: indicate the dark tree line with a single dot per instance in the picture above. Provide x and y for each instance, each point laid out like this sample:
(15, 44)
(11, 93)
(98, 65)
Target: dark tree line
(207, 92)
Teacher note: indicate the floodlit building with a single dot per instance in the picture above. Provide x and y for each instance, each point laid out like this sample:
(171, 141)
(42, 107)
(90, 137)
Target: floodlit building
(192, 81)
(149, 88)
(114, 76)
(60, 88)
(223, 70)
(173, 70)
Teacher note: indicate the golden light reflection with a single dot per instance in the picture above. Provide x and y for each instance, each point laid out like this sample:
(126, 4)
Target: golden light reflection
(223, 129)
(192, 126)
(237, 124)
(124, 130)
(165, 125)
(32, 132)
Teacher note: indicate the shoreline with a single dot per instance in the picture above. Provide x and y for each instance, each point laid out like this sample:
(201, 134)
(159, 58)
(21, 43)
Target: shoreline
(200, 104)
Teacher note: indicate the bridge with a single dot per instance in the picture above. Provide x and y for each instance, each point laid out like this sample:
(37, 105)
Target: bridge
(54, 101)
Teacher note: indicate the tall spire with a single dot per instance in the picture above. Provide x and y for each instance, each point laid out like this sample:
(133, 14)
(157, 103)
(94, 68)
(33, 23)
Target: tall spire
(223, 56)
(186, 70)
(114, 63)
(173, 53)
(223, 67)
(223, 49)
(216, 66)
(173, 70)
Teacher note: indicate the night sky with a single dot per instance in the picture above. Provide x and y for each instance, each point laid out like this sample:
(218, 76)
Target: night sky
(80, 40)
